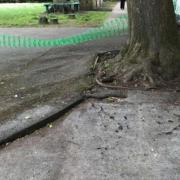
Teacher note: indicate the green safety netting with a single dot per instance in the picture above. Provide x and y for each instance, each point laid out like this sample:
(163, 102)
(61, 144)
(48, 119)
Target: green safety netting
(116, 27)
(177, 6)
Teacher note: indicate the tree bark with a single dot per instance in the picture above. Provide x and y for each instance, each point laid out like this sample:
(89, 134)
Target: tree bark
(153, 47)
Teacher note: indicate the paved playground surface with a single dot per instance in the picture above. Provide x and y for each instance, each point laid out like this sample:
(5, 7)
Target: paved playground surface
(134, 138)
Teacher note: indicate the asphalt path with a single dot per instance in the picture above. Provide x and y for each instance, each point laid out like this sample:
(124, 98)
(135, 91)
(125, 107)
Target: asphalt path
(28, 76)
(134, 138)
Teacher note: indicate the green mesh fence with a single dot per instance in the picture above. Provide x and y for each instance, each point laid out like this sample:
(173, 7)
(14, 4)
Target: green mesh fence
(177, 6)
(116, 27)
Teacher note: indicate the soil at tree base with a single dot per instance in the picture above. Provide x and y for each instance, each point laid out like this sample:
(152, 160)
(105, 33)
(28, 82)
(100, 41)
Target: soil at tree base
(106, 70)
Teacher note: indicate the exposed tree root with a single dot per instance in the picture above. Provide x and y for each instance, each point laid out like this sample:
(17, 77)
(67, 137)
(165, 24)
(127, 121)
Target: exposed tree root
(143, 72)
(110, 86)
(106, 93)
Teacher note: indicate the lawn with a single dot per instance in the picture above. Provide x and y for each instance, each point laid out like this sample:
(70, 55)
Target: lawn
(88, 18)
(27, 15)
(20, 14)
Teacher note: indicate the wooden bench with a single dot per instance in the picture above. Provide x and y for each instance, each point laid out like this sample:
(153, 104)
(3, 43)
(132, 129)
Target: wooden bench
(62, 7)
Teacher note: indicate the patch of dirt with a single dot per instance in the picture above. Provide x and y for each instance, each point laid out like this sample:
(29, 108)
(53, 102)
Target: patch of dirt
(32, 97)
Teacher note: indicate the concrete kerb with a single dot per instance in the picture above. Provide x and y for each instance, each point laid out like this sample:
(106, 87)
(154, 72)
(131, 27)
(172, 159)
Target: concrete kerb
(33, 119)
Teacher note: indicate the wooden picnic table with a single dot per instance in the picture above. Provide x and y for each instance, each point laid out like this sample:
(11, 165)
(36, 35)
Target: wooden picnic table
(56, 7)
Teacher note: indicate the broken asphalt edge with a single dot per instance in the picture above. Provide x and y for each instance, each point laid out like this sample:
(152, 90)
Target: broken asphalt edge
(39, 123)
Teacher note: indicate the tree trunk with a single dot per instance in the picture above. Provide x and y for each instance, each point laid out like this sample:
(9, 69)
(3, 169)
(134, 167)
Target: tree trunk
(153, 48)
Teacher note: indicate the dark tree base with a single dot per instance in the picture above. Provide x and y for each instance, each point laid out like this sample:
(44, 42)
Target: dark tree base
(43, 20)
(142, 72)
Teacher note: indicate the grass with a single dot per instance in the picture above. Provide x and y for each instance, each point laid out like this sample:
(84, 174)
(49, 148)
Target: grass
(20, 14)
(89, 18)
(27, 15)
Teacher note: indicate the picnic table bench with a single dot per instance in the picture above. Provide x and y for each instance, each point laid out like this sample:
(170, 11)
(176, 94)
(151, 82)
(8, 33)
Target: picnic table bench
(62, 7)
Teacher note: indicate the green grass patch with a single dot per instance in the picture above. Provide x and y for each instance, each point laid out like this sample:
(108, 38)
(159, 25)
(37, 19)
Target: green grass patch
(20, 14)
(27, 15)
(88, 18)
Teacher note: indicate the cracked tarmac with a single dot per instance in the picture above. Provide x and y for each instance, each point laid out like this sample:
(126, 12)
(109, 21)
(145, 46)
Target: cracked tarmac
(103, 140)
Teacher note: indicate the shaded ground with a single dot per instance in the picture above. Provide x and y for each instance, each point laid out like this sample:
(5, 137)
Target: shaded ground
(32, 77)
(35, 83)
(134, 138)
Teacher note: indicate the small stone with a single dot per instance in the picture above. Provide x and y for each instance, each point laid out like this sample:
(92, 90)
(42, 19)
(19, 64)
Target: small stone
(170, 121)
(159, 122)
(135, 85)
(111, 117)
(155, 154)
(27, 117)
(50, 125)
(22, 88)
(15, 95)
(120, 127)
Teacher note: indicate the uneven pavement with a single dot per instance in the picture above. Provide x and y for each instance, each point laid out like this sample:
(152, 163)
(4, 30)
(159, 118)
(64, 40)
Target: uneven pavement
(36, 83)
(134, 138)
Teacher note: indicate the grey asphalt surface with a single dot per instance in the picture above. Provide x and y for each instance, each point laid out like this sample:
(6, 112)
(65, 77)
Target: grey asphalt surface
(120, 139)
(35, 83)
(115, 139)
(28, 76)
